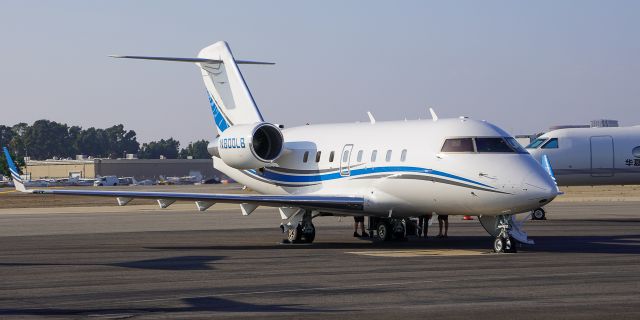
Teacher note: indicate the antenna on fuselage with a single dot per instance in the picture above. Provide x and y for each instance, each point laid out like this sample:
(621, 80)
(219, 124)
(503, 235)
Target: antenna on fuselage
(434, 116)
(371, 118)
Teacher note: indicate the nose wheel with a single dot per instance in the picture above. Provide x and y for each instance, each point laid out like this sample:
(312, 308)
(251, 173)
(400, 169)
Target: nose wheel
(504, 243)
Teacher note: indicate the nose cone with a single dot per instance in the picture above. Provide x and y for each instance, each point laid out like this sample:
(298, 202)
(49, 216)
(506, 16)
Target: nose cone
(540, 187)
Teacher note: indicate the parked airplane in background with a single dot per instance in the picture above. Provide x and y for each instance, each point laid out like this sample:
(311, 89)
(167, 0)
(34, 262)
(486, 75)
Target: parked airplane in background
(590, 156)
(388, 171)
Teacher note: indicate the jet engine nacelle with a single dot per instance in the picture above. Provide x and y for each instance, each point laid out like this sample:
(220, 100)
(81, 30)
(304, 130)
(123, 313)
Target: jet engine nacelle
(249, 146)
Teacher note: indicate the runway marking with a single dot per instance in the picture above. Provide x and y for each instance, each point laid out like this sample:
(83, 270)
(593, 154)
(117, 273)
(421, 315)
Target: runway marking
(8, 191)
(419, 253)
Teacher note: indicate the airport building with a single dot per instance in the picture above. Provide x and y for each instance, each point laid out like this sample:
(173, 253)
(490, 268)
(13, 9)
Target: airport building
(137, 168)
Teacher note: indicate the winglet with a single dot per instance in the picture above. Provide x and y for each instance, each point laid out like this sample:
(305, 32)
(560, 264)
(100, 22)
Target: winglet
(15, 174)
(434, 116)
(546, 164)
(371, 118)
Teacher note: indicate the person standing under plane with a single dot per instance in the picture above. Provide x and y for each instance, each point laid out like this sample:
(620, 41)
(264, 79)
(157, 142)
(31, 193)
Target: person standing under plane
(423, 224)
(359, 220)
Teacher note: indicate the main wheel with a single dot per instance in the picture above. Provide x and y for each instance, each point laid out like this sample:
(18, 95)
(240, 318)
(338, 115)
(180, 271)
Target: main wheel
(539, 214)
(384, 231)
(399, 231)
(294, 234)
(308, 233)
(499, 245)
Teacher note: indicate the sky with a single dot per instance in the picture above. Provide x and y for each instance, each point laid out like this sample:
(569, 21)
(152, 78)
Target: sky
(523, 65)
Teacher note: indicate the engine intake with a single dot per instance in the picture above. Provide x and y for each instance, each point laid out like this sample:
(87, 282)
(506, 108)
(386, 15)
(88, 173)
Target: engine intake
(249, 146)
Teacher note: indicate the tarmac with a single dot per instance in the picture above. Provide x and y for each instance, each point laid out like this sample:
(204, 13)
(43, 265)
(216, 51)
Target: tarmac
(141, 262)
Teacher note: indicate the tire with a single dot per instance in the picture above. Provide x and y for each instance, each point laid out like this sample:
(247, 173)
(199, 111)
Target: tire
(499, 245)
(384, 231)
(538, 214)
(400, 231)
(308, 233)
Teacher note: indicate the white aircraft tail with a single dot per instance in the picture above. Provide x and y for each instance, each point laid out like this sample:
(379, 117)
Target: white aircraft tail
(230, 98)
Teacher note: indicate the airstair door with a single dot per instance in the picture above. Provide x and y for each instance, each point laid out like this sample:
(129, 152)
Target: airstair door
(602, 156)
(345, 160)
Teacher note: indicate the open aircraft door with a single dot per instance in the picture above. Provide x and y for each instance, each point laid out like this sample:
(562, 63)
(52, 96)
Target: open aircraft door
(345, 160)
(602, 156)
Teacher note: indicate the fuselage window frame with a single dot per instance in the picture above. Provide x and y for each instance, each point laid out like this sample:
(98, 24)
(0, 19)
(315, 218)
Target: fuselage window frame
(305, 157)
(331, 156)
(318, 154)
(360, 153)
(374, 155)
(387, 158)
(403, 155)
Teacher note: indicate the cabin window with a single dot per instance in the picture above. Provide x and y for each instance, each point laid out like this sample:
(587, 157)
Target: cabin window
(536, 143)
(551, 144)
(492, 145)
(403, 155)
(305, 157)
(388, 157)
(331, 156)
(318, 156)
(458, 145)
(360, 155)
(345, 156)
(374, 154)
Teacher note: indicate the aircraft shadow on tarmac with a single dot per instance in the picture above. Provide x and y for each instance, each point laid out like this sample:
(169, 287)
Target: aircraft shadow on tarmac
(181, 263)
(627, 244)
(195, 304)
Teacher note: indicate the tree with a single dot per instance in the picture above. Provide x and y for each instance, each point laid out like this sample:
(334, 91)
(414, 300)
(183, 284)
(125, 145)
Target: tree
(121, 141)
(197, 150)
(46, 139)
(154, 149)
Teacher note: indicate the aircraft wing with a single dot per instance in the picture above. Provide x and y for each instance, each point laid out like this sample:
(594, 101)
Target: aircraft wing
(248, 203)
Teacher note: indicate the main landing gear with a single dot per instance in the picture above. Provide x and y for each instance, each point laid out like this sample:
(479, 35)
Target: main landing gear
(388, 229)
(298, 227)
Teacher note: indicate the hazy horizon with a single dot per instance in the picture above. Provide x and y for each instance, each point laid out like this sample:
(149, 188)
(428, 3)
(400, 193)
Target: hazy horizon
(524, 66)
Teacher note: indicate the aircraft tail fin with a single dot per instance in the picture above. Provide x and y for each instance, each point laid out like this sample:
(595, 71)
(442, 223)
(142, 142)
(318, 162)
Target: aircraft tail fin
(230, 99)
(15, 174)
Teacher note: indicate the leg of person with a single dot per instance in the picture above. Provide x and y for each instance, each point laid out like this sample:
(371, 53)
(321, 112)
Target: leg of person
(440, 226)
(362, 228)
(420, 226)
(355, 227)
(446, 225)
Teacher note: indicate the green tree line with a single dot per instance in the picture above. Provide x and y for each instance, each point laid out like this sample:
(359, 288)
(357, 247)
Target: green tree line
(46, 139)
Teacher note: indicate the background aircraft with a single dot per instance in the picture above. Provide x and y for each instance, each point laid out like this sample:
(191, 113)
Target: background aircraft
(590, 156)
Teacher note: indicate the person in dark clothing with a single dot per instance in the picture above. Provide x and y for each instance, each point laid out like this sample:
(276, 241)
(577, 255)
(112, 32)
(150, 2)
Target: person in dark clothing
(423, 224)
(359, 220)
(443, 219)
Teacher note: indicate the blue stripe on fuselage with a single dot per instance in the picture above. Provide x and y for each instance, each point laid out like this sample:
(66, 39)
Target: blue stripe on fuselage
(357, 172)
(218, 118)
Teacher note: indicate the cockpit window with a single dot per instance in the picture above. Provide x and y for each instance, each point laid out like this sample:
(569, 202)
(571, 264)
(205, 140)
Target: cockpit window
(492, 145)
(552, 144)
(458, 145)
(515, 145)
(536, 143)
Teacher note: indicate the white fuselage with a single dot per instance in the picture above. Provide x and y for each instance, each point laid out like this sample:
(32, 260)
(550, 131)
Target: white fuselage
(409, 174)
(592, 156)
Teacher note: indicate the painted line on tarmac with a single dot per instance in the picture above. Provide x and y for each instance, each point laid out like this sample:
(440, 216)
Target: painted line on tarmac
(419, 253)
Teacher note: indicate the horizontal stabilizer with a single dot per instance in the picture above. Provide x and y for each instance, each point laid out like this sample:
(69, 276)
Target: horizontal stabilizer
(194, 60)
